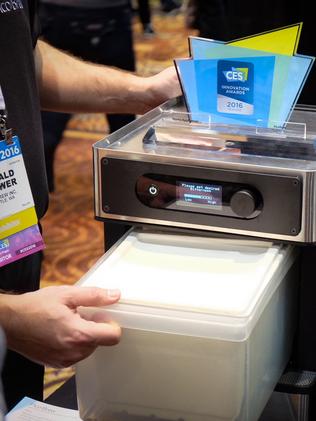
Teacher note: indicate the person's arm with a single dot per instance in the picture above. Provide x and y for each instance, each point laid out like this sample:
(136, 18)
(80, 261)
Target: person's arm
(46, 327)
(69, 84)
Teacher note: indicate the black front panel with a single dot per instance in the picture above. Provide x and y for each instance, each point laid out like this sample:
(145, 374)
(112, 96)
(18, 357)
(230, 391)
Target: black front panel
(201, 196)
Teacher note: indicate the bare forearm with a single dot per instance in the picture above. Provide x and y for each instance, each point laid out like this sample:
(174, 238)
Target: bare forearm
(70, 84)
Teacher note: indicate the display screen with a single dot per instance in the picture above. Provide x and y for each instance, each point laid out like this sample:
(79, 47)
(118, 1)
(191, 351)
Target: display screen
(199, 195)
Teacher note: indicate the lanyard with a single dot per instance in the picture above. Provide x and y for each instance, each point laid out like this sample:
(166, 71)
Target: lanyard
(6, 134)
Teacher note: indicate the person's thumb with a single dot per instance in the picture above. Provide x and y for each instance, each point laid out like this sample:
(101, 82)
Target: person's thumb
(90, 296)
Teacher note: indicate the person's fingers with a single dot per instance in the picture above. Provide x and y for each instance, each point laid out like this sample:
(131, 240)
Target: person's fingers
(90, 296)
(95, 315)
(170, 74)
(99, 333)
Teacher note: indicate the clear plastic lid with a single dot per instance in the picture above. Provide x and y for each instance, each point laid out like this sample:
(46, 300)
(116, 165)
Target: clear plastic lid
(188, 279)
(169, 133)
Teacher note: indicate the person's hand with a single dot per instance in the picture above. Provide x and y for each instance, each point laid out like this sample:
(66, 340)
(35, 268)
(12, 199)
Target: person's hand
(159, 88)
(46, 326)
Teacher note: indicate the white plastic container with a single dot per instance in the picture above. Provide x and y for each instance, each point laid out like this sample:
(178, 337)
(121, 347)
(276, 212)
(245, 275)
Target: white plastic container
(207, 329)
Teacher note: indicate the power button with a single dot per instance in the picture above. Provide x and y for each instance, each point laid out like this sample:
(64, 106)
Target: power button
(153, 190)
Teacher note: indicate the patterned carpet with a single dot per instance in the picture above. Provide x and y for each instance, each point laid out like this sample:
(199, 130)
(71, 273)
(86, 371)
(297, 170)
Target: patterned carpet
(73, 238)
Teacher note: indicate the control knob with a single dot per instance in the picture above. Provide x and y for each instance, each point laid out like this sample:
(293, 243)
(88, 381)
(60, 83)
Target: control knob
(243, 203)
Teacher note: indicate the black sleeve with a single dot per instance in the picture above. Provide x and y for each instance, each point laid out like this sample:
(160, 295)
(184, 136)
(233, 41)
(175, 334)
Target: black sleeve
(34, 20)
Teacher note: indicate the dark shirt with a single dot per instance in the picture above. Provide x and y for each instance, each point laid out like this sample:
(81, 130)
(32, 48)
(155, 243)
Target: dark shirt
(88, 4)
(18, 29)
(2, 354)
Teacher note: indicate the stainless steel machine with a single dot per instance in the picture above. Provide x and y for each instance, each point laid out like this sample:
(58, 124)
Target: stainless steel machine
(168, 171)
